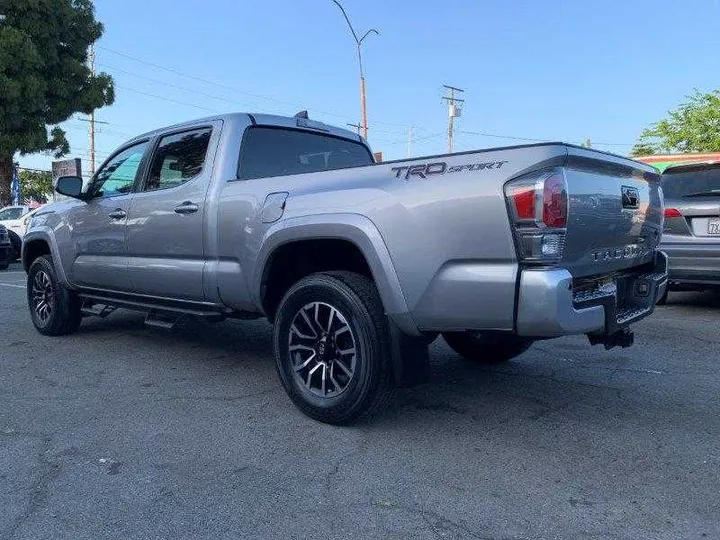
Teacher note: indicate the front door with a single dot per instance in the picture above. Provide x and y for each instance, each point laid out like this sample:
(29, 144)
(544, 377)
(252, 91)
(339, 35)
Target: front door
(97, 228)
(166, 216)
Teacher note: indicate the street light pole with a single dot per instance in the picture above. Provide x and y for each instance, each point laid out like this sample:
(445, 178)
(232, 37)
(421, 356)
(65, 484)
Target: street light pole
(358, 42)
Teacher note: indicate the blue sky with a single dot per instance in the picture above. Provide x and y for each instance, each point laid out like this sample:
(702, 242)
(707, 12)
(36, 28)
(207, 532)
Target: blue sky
(554, 70)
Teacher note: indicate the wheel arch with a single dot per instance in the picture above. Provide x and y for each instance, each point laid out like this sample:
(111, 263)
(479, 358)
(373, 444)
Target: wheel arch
(354, 231)
(37, 244)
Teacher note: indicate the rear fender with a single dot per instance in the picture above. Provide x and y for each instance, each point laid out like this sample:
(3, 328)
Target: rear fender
(353, 228)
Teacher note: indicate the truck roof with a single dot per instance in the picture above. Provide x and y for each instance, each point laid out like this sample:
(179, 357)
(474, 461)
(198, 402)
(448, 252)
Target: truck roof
(261, 119)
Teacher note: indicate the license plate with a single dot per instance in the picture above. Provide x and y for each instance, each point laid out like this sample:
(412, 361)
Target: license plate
(714, 227)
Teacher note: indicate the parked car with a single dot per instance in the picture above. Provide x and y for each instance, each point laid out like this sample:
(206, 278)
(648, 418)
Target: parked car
(6, 249)
(11, 217)
(359, 265)
(691, 236)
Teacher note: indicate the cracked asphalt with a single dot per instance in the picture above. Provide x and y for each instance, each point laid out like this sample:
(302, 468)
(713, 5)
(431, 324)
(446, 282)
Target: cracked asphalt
(127, 432)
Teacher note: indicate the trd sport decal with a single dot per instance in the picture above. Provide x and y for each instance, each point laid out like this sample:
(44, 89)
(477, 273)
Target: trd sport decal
(440, 167)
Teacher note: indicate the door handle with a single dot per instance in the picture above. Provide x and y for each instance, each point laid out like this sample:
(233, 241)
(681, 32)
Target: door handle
(118, 213)
(186, 208)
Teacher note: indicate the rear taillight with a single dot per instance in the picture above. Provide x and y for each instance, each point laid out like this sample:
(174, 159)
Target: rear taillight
(523, 198)
(555, 201)
(672, 213)
(539, 213)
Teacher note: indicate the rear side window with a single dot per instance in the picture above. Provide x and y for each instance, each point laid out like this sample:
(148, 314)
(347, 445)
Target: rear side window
(277, 152)
(178, 158)
(686, 182)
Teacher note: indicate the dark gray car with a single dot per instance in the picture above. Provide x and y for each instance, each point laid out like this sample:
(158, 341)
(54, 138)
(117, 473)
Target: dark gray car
(691, 237)
(6, 249)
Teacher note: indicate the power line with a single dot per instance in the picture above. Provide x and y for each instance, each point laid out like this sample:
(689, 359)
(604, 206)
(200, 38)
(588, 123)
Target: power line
(214, 111)
(530, 139)
(171, 85)
(231, 88)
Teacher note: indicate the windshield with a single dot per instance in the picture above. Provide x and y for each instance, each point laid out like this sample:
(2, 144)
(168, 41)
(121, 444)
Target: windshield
(11, 213)
(688, 181)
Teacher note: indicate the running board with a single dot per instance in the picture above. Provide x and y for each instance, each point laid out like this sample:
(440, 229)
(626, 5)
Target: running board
(111, 302)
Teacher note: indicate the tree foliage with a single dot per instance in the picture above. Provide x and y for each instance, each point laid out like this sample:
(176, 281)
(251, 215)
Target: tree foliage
(44, 78)
(643, 149)
(37, 185)
(693, 127)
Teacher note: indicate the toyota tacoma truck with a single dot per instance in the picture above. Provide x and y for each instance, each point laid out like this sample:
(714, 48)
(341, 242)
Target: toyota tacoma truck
(358, 265)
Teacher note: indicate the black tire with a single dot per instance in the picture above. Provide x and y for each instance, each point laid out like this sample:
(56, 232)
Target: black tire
(663, 299)
(486, 347)
(4, 266)
(16, 245)
(358, 307)
(62, 315)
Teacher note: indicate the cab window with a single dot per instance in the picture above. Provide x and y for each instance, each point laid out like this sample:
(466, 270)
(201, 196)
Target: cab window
(118, 175)
(271, 151)
(178, 158)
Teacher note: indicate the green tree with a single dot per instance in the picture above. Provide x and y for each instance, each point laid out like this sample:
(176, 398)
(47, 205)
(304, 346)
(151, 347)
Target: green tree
(36, 184)
(642, 149)
(43, 76)
(693, 127)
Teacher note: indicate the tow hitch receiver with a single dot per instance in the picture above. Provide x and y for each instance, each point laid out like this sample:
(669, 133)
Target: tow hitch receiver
(622, 338)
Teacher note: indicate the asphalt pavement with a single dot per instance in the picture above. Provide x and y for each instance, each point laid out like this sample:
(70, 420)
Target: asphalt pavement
(127, 432)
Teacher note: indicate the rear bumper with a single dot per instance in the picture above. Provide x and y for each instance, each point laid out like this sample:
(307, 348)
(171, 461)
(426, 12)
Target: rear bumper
(693, 264)
(549, 307)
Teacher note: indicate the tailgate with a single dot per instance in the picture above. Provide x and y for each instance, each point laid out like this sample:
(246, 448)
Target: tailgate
(615, 213)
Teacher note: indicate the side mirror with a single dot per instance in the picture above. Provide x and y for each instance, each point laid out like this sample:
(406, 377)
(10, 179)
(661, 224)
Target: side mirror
(70, 186)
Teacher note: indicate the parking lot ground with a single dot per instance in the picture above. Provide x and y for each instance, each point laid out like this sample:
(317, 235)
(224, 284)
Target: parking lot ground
(127, 432)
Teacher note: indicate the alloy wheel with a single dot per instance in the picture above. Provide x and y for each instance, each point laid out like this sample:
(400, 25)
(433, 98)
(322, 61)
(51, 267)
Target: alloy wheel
(43, 296)
(322, 349)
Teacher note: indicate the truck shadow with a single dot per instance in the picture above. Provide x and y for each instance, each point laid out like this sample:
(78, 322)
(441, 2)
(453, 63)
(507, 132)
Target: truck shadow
(554, 383)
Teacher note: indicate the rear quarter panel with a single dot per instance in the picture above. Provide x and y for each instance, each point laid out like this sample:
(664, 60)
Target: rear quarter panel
(439, 228)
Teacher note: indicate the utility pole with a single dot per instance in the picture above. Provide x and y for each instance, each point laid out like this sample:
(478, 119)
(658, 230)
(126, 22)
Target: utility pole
(358, 42)
(453, 111)
(91, 65)
(409, 146)
(356, 126)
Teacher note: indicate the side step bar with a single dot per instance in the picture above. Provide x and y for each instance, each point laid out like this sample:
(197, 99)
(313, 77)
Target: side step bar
(164, 320)
(163, 316)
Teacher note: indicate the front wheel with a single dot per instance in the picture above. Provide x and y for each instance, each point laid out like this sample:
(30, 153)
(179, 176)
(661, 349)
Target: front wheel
(486, 347)
(331, 347)
(54, 309)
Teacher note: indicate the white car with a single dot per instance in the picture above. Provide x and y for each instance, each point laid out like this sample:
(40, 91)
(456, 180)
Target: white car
(12, 218)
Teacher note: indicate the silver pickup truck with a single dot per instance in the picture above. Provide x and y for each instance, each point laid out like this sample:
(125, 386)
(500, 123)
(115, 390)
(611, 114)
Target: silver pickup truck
(359, 265)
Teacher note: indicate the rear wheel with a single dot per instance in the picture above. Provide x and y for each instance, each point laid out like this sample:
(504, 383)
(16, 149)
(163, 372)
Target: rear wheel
(331, 347)
(486, 347)
(54, 309)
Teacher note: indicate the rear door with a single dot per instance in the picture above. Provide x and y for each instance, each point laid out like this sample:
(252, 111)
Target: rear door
(166, 218)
